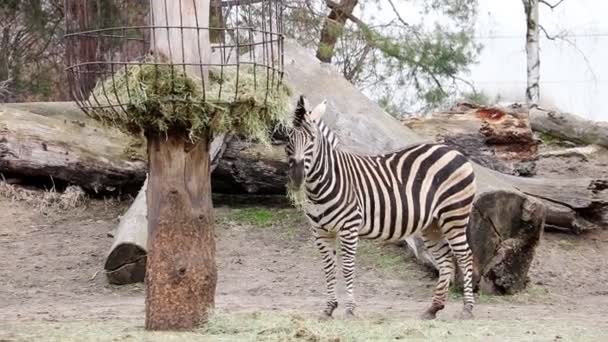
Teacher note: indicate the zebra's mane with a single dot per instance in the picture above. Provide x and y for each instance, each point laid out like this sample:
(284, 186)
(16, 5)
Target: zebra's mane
(328, 133)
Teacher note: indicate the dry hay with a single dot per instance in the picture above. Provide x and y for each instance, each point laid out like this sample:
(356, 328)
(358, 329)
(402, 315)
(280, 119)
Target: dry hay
(72, 197)
(297, 197)
(157, 98)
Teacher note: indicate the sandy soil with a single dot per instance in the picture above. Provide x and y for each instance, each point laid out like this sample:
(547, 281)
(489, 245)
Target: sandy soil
(267, 263)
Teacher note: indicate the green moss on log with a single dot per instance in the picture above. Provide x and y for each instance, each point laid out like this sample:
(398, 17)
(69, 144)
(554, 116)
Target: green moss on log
(157, 98)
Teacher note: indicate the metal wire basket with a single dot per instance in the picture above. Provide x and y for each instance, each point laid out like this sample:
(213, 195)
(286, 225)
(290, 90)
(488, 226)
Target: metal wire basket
(170, 39)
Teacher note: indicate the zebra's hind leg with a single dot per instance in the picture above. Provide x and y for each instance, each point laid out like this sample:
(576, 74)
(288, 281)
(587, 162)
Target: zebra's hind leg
(440, 248)
(326, 244)
(455, 233)
(349, 240)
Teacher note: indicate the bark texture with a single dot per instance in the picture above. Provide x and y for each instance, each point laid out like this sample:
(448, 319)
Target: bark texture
(186, 46)
(181, 273)
(495, 137)
(56, 140)
(332, 28)
(504, 249)
(569, 127)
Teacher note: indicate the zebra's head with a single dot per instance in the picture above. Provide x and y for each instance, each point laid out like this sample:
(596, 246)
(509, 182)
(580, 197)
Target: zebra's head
(301, 142)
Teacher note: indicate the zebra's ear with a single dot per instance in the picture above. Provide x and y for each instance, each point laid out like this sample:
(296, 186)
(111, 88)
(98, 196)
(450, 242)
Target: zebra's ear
(319, 110)
(300, 112)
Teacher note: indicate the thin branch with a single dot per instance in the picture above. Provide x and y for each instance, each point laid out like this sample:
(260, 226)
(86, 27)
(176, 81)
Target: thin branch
(552, 6)
(550, 37)
(563, 38)
(398, 14)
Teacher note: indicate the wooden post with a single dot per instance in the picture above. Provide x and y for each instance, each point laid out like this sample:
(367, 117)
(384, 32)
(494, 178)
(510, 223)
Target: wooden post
(181, 273)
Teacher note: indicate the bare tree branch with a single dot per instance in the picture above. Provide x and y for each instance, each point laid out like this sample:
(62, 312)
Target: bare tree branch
(397, 13)
(552, 6)
(564, 37)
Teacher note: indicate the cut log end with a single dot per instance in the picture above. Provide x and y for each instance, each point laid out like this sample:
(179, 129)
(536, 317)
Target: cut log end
(504, 232)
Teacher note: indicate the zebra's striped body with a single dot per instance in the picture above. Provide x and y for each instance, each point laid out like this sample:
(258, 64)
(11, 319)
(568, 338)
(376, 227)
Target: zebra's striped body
(424, 189)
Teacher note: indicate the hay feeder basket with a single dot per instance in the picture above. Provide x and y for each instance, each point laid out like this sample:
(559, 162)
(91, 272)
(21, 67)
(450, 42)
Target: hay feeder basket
(179, 72)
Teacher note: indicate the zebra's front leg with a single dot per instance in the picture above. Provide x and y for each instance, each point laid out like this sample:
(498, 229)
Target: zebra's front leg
(349, 239)
(326, 243)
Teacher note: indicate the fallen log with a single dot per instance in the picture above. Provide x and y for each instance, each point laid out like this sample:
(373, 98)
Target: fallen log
(569, 127)
(249, 168)
(56, 140)
(504, 249)
(494, 137)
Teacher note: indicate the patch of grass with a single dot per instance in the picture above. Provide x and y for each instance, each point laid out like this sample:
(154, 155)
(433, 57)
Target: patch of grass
(382, 256)
(548, 139)
(260, 217)
(478, 98)
(263, 217)
(566, 245)
(296, 327)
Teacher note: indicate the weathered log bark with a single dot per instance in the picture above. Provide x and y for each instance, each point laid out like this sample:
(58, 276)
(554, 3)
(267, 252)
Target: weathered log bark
(249, 168)
(57, 140)
(569, 127)
(504, 249)
(573, 205)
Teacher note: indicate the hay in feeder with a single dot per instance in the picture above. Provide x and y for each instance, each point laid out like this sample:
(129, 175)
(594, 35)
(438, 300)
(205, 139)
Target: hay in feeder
(156, 98)
(297, 197)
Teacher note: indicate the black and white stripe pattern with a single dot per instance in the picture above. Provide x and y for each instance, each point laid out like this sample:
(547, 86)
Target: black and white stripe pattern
(424, 189)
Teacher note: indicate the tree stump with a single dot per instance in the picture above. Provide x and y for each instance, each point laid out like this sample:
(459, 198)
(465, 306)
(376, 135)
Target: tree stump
(181, 272)
(506, 229)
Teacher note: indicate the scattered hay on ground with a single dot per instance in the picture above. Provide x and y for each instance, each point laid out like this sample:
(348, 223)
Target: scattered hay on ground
(290, 327)
(72, 197)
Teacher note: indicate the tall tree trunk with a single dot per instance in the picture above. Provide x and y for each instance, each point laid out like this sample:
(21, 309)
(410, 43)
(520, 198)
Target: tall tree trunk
(532, 52)
(185, 46)
(332, 28)
(82, 49)
(216, 20)
(181, 273)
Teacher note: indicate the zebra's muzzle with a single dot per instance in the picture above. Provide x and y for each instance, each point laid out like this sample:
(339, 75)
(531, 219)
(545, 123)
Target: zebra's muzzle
(296, 173)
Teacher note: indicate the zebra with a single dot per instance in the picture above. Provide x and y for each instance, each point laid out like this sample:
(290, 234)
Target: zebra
(424, 189)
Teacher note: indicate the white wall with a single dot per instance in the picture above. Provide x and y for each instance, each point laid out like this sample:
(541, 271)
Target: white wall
(569, 81)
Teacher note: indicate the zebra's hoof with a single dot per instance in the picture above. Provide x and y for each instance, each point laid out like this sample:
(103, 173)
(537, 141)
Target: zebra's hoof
(431, 313)
(428, 315)
(466, 314)
(325, 316)
(350, 314)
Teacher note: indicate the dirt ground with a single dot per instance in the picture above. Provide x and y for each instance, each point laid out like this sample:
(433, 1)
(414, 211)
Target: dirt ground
(267, 265)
